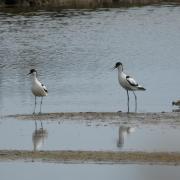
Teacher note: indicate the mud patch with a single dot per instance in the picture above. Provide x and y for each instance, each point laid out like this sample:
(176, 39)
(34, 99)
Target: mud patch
(167, 117)
(93, 156)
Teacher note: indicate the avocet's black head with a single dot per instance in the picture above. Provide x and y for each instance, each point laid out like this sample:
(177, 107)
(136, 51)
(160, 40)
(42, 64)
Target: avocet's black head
(117, 65)
(32, 71)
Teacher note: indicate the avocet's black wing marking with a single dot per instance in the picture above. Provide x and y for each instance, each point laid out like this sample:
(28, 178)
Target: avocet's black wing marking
(44, 87)
(131, 81)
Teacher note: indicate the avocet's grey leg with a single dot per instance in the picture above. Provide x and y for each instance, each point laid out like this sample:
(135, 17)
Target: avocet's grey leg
(34, 105)
(135, 101)
(41, 104)
(128, 100)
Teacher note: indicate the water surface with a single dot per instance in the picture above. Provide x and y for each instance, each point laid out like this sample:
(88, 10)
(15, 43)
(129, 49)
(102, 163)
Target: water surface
(73, 51)
(20, 170)
(87, 136)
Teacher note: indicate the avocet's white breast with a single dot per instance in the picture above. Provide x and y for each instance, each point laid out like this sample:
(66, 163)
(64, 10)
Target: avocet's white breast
(123, 81)
(38, 89)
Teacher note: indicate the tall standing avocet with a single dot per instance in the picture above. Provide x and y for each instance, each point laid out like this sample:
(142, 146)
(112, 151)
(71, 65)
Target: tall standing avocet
(128, 83)
(38, 89)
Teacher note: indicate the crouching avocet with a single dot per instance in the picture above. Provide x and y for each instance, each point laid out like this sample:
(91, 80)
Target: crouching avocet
(38, 89)
(128, 83)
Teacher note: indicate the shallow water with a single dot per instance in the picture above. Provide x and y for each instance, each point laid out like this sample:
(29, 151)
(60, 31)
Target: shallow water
(37, 170)
(78, 135)
(74, 51)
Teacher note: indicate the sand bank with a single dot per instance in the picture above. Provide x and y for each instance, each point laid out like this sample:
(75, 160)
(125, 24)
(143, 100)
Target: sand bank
(164, 117)
(93, 156)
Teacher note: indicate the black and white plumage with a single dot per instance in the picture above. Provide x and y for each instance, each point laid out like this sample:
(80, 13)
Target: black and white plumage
(38, 89)
(128, 83)
(176, 103)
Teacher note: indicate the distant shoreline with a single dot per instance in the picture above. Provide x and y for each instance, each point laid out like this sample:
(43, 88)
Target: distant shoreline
(73, 4)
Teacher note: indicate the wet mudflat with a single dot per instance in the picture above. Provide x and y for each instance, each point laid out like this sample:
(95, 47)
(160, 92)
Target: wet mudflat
(100, 157)
(149, 132)
(149, 138)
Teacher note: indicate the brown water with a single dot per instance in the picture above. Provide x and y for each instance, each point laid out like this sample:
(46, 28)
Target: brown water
(74, 51)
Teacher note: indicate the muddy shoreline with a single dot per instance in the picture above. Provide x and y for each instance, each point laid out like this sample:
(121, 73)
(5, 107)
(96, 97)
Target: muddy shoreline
(145, 118)
(162, 158)
(131, 157)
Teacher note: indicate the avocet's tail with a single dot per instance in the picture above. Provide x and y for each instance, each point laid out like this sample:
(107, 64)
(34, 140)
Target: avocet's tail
(141, 88)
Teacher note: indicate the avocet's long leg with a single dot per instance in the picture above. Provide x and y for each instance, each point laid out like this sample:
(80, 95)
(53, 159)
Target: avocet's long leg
(41, 104)
(34, 105)
(127, 100)
(135, 101)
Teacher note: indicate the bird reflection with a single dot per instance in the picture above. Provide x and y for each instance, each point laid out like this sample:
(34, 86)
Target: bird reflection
(39, 136)
(123, 132)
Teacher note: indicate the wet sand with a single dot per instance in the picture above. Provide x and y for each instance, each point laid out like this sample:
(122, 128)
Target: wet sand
(172, 158)
(162, 158)
(163, 117)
